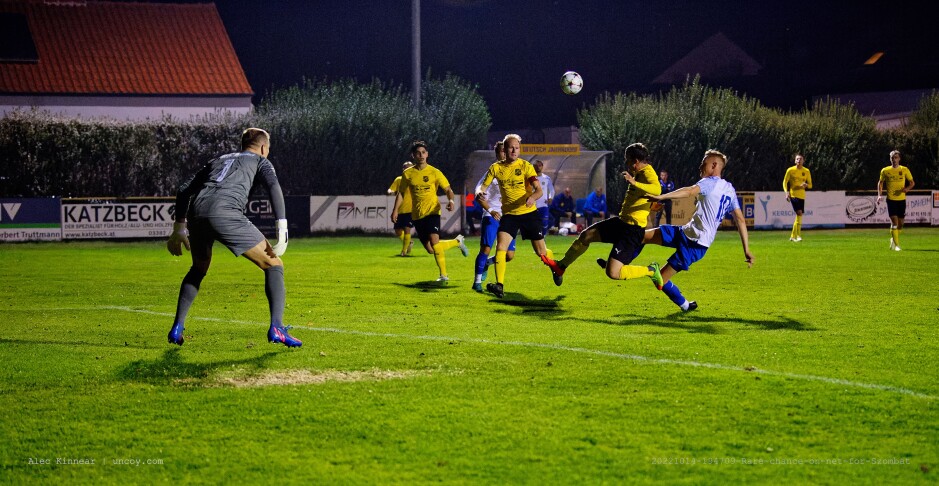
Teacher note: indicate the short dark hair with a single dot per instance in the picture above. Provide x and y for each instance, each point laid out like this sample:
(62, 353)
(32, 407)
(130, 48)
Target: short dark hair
(637, 151)
(254, 137)
(417, 144)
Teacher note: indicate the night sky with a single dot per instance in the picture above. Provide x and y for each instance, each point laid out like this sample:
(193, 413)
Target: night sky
(517, 54)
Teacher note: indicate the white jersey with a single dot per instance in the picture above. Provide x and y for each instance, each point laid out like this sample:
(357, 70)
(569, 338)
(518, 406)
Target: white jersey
(547, 191)
(493, 196)
(716, 199)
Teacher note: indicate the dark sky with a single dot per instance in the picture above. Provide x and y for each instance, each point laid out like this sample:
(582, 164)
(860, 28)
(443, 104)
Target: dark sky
(516, 51)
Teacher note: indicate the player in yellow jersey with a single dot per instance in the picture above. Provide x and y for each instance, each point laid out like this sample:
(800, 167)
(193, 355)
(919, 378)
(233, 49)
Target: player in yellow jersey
(626, 231)
(422, 182)
(893, 179)
(519, 187)
(797, 180)
(403, 224)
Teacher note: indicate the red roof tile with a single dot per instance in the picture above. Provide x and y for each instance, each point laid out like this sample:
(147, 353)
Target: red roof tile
(124, 48)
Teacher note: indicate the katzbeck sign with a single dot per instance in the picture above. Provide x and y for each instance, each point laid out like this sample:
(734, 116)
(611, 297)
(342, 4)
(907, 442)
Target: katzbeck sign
(117, 218)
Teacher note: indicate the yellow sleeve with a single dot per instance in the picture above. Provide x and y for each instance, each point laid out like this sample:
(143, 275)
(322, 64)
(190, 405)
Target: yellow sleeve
(786, 181)
(808, 178)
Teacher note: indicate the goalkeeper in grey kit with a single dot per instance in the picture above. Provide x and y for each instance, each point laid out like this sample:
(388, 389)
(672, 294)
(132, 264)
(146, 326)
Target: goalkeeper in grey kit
(210, 207)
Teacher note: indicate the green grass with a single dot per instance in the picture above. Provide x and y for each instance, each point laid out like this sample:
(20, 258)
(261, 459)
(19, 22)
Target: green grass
(824, 351)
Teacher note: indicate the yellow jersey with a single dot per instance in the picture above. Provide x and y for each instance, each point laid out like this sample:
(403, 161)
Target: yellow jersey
(635, 209)
(894, 181)
(792, 182)
(405, 196)
(423, 185)
(514, 184)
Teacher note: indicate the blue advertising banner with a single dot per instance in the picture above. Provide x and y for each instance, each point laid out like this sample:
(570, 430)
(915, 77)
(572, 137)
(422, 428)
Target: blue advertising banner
(32, 219)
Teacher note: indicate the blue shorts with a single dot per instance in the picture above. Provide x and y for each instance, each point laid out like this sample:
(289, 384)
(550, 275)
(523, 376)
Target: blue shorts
(489, 231)
(686, 251)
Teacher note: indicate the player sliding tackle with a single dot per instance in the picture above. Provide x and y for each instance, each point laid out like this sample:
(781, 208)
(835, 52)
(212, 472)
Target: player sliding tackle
(214, 200)
(715, 197)
(626, 231)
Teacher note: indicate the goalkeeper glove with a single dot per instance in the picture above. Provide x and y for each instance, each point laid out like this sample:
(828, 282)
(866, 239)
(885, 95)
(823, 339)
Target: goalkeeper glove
(281, 245)
(180, 235)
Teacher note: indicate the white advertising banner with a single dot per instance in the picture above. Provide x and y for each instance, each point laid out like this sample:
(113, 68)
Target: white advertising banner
(862, 208)
(935, 208)
(822, 210)
(370, 214)
(117, 218)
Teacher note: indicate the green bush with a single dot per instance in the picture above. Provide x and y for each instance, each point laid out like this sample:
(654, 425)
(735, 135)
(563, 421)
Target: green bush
(843, 148)
(327, 139)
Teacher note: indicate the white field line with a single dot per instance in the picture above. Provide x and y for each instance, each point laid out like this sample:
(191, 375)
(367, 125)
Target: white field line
(558, 347)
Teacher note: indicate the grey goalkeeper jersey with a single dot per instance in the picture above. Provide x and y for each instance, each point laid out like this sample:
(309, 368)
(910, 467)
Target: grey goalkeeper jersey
(222, 186)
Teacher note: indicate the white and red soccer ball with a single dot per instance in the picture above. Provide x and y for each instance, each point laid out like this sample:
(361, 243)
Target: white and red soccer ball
(571, 83)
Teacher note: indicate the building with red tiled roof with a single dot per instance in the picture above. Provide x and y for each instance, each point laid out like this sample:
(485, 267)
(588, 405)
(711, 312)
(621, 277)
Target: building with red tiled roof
(120, 60)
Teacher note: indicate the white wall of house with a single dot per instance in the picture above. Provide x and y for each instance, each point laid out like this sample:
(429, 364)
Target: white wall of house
(135, 108)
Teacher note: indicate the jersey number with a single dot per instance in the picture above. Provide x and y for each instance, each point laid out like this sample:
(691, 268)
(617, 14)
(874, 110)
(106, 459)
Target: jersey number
(224, 171)
(724, 207)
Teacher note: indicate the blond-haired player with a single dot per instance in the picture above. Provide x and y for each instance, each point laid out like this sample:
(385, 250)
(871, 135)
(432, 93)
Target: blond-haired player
(798, 178)
(894, 179)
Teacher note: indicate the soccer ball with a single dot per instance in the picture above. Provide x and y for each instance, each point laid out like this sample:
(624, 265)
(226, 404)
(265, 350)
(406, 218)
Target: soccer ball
(571, 83)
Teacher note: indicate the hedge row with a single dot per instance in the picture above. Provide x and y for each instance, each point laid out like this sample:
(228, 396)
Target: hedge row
(327, 139)
(843, 149)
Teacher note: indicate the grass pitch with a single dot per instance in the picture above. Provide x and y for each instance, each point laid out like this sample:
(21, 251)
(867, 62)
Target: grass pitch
(818, 365)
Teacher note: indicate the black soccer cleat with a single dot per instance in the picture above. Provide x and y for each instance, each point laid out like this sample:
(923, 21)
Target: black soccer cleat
(495, 289)
(601, 262)
(692, 306)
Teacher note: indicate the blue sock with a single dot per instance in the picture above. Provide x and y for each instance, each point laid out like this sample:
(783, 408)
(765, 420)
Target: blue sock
(481, 263)
(671, 290)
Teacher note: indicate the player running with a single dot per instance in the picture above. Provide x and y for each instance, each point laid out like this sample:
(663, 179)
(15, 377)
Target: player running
(894, 177)
(797, 179)
(422, 182)
(489, 226)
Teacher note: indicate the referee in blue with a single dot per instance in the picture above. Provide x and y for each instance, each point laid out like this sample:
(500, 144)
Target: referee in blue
(210, 207)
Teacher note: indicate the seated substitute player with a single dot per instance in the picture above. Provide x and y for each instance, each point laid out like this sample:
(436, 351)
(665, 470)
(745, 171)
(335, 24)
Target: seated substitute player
(626, 231)
(562, 206)
(422, 182)
(795, 182)
(595, 205)
(519, 188)
(715, 197)
(404, 224)
(211, 204)
(894, 177)
(489, 226)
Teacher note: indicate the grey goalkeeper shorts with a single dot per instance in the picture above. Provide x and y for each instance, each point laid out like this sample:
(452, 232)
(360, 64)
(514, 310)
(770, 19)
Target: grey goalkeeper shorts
(238, 234)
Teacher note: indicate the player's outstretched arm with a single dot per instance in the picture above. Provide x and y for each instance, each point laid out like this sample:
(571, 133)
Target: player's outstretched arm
(687, 191)
(741, 223)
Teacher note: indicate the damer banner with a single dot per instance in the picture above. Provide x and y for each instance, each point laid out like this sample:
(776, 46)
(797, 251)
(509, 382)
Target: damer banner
(862, 208)
(371, 214)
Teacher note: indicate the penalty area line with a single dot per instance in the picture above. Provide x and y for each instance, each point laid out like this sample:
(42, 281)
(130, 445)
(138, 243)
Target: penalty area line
(561, 347)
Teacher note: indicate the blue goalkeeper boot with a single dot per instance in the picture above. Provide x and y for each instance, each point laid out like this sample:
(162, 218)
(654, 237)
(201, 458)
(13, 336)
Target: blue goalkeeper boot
(279, 334)
(176, 334)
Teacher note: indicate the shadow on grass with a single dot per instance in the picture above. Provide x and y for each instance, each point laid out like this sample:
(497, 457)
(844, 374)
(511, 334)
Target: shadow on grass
(171, 368)
(696, 323)
(428, 286)
(551, 308)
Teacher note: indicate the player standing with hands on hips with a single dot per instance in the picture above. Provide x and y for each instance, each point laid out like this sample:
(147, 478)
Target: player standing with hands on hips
(210, 207)
(795, 182)
(894, 178)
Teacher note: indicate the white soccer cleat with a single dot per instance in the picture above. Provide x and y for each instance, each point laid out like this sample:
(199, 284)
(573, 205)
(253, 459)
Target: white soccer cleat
(443, 280)
(893, 246)
(896, 247)
(798, 239)
(463, 249)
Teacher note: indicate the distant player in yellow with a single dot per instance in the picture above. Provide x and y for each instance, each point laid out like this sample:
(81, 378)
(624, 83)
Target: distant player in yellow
(798, 178)
(894, 179)
(403, 224)
(519, 187)
(626, 231)
(422, 182)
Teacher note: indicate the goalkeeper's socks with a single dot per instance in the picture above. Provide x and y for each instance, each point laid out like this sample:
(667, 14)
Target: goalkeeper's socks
(671, 290)
(187, 293)
(276, 293)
